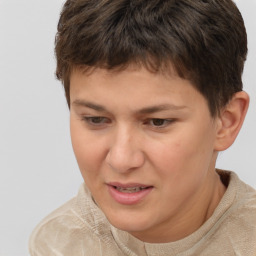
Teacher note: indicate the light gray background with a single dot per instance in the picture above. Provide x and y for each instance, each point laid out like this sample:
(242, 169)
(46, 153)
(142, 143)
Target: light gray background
(38, 171)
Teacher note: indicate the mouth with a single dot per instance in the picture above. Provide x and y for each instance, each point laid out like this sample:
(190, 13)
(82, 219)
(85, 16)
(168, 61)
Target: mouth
(130, 189)
(129, 194)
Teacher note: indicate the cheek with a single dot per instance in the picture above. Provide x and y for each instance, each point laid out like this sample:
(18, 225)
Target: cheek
(182, 165)
(172, 152)
(185, 153)
(88, 151)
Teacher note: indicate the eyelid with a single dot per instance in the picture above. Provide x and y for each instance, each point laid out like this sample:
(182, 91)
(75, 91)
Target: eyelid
(102, 120)
(167, 122)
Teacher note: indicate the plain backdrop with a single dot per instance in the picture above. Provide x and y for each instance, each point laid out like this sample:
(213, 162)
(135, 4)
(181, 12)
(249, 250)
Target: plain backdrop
(38, 171)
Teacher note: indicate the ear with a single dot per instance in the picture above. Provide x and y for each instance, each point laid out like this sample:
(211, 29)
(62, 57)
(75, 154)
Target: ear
(230, 120)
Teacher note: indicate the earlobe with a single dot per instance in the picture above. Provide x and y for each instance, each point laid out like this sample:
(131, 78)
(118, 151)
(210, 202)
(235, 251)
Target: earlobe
(230, 120)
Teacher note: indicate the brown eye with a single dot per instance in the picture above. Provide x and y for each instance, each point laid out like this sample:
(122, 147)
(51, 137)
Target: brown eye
(158, 122)
(96, 120)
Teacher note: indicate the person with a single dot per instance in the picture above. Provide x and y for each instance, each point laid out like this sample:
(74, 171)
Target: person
(155, 93)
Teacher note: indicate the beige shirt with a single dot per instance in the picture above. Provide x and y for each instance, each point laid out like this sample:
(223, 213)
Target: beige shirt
(79, 228)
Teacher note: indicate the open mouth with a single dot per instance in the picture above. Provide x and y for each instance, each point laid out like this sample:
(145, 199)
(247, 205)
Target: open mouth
(129, 194)
(131, 189)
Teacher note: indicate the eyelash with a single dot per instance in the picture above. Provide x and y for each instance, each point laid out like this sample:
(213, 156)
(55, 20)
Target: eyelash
(103, 120)
(89, 120)
(166, 122)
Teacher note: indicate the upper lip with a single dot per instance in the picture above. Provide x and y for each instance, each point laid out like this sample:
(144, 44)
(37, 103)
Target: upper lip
(127, 185)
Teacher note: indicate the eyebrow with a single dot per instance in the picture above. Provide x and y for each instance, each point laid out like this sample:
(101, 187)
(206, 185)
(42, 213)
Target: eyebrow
(146, 110)
(89, 105)
(158, 108)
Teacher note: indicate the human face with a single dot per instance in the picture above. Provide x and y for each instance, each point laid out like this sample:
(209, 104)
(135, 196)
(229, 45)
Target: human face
(144, 143)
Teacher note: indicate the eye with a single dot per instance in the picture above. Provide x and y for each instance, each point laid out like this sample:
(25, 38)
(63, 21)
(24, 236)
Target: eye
(96, 120)
(159, 122)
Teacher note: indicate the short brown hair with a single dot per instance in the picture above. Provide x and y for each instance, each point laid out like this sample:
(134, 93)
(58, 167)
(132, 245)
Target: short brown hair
(204, 40)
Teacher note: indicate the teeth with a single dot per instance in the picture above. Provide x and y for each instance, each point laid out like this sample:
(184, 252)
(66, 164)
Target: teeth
(130, 190)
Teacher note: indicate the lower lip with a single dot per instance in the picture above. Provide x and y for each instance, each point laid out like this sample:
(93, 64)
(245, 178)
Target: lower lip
(129, 198)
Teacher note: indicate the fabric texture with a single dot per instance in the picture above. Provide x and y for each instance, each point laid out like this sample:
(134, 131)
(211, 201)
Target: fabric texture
(79, 228)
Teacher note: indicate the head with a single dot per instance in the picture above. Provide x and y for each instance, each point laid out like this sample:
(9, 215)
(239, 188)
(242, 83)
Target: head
(204, 41)
(155, 91)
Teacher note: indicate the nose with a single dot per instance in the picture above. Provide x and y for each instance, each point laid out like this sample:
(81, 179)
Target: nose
(125, 153)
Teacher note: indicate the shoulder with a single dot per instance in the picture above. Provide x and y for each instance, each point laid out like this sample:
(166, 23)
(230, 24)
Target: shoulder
(236, 227)
(238, 194)
(231, 230)
(66, 231)
(240, 203)
(245, 197)
(57, 227)
(243, 208)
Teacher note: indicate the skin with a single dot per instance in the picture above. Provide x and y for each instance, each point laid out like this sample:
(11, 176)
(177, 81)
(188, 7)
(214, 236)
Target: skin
(134, 126)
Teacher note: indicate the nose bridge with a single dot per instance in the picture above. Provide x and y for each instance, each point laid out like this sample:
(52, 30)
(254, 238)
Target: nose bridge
(125, 152)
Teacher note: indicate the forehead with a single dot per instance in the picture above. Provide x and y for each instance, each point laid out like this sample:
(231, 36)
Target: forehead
(133, 78)
(133, 72)
(166, 69)
(133, 88)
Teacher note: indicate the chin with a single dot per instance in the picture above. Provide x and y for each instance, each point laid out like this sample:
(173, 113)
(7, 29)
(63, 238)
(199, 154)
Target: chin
(129, 222)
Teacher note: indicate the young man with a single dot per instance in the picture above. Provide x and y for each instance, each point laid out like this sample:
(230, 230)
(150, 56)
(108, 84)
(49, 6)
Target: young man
(155, 92)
